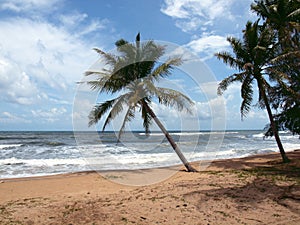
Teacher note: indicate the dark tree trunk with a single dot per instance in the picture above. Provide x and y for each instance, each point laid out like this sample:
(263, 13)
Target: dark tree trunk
(285, 159)
(170, 139)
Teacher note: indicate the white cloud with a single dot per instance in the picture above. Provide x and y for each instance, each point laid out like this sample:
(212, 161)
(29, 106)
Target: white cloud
(39, 58)
(29, 5)
(201, 15)
(233, 92)
(208, 88)
(259, 115)
(175, 9)
(72, 19)
(8, 115)
(44, 51)
(95, 25)
(51, 115)
(233, 101)
(15, 85)
(82, 105)
(9, 118)
(203, 110)
(207, 46)
(205, 115)
(74, 22)
(191, 25)
(192, 14)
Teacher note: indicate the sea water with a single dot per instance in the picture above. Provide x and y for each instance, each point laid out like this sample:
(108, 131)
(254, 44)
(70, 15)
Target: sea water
(24, 154)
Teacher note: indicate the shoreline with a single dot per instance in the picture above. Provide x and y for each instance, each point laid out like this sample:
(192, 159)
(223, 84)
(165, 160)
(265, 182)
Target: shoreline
(171, 167)
(53, 154)
(116, 176)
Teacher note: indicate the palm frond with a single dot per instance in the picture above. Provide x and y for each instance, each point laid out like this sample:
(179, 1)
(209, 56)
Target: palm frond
(99, 110)
(165, 68)
(109, 58)
(295, 13)
(228, 59)
(173, 98)
(251, 35)
(223, 85)
(116, 108)
(285, 56)
(95, 84)
(144, 69)
(127, 118)
(121, 42)
(126, 50)
(109, 83)
(260, 8)
(98, 73)
(240, 51)
(151, 51)
(247, 95)
(275, 74)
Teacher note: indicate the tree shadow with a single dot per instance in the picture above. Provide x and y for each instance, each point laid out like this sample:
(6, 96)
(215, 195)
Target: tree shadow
(272, 161)
(246, 197)
(253, 184)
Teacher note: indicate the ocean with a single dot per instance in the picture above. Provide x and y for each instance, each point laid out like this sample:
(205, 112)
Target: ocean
(25, 154)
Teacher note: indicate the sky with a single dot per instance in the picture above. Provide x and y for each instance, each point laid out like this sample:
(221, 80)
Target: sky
(47, 45)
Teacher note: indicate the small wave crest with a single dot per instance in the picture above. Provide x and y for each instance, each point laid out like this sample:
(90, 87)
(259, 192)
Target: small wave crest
(42, 162)
(9, 146)
(54, 143)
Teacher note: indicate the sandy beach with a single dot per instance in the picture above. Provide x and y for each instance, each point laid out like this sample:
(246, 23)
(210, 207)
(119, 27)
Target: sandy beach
(253, 190)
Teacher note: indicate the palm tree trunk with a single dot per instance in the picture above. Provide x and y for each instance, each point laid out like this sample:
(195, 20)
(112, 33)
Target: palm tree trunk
(285, 159)
(170, 139)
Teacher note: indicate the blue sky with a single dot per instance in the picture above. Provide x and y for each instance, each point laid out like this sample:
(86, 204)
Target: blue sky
(46, 46)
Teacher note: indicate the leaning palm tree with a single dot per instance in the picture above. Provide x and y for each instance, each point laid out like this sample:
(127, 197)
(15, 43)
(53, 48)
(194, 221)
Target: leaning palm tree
(251, 57)
(133, 74)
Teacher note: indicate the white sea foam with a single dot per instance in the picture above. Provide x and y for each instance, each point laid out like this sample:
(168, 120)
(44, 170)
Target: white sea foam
(3, 146)
(32, 157)
(260, 135)
(291, 147)
(42, 162)
(180, 133)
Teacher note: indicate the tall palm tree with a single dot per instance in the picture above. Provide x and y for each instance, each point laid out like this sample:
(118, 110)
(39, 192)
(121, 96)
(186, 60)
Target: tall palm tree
(133, 74)
(283, 18)
(251, 56)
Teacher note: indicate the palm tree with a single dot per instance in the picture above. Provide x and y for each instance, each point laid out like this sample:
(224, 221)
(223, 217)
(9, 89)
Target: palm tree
(286, 91)
(251, 56)
(282, 16)
(133, 74)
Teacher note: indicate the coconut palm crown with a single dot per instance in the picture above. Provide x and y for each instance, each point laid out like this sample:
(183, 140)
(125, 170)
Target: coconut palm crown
(133, 74)
(282, 16)
(250, 57)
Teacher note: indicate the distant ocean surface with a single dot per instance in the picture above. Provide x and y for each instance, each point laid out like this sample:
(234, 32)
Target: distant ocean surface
(24, 154)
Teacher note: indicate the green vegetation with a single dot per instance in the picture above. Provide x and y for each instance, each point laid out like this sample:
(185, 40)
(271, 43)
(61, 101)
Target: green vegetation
(282, 17)
(268, 56)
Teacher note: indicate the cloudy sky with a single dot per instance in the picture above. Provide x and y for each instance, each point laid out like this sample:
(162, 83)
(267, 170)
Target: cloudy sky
(46, 46)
